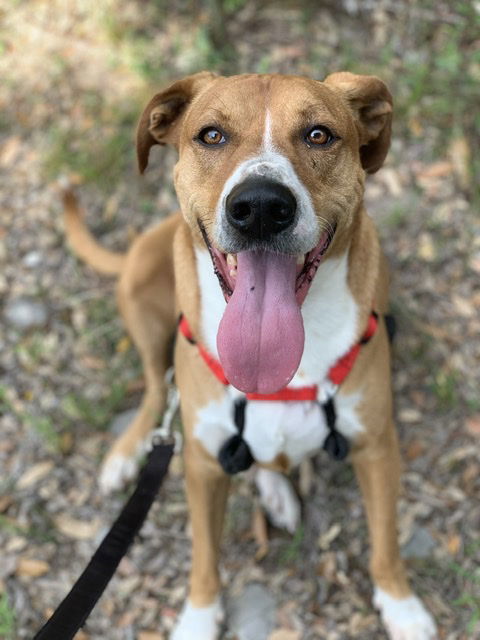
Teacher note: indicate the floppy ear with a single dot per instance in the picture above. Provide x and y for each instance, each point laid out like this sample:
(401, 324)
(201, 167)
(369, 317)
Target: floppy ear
(371, 103)
(162, 115)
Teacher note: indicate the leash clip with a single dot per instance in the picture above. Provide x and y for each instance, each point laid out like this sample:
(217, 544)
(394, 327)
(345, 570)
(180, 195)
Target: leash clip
(165, 434)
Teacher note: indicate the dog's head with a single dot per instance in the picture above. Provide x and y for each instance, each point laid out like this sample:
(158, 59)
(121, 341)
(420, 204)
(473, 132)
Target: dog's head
(270, 177)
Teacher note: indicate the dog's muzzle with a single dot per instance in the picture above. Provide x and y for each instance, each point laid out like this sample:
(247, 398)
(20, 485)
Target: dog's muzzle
(259, 208)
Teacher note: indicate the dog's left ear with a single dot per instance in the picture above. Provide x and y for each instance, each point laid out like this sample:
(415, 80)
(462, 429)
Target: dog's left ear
(159, 123)
(371, 103)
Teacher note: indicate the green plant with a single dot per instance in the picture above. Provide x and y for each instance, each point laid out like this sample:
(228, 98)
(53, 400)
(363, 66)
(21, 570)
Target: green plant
(7, 618)
(292, 550)
(470, 596)
(45, 428)
(97, 413)
(444, 386)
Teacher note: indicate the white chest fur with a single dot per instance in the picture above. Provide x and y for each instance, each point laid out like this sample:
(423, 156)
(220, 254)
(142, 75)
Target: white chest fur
(297, 429)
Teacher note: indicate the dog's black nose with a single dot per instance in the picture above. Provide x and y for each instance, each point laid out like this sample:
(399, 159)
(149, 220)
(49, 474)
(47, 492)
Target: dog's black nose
(260, 208)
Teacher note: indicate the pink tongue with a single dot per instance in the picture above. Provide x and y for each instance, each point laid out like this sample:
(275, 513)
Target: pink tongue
(260, 338)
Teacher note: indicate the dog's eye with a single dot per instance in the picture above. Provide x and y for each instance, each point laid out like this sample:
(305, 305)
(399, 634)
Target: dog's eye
(211, 136)
(319, 136)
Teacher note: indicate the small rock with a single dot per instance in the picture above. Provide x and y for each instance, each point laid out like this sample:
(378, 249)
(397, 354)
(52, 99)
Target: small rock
(410, 415)
(121, 421)
(32, 259)
(420, 544)
(25, 313)
(252, 615)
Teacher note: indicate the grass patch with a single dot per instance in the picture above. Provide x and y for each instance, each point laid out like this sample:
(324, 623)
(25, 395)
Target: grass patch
(96, 413)
(470, 596)
(291, 553)
(42, 425)
(398, 216)
(7, 618)
(45, 429)
(11, 527)
(444, 387)
(98, 146)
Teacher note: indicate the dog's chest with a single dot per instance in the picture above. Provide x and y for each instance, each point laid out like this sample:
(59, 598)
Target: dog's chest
(296, 429)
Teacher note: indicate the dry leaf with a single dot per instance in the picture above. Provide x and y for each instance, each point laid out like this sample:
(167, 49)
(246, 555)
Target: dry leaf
(150, 635)
(460, 155)
(66, 442)
(134, 386)
(34, 474)
(5, 503)
(285, 634)
(453, 544)
(123, 345)
(260, 533)
(436, 170)
(306, 477)
(327, 538)
(327, 567)
(9, 150)
(426, 249)
(415, 127)
(32, 568)
(93, 362)
(473, 425)
(77, 529)
(463, 306)
(391, 179)
(475, 263)
(414, 450)
(127, 619)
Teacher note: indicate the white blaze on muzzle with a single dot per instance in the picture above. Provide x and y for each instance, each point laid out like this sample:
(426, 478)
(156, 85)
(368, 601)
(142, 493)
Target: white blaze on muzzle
(272, 165)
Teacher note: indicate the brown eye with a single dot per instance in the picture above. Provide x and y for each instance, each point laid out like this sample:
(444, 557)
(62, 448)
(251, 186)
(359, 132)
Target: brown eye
(211, 136)
(319, 136)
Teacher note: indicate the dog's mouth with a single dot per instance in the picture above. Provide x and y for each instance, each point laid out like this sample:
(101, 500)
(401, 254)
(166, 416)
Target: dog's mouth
(260, 338)
(225, 265)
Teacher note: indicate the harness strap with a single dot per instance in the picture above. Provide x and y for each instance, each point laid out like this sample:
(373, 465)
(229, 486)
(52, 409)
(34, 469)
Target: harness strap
(73, 611)
(336, 445)
(344, 365)
(235, 454)
(336, 374)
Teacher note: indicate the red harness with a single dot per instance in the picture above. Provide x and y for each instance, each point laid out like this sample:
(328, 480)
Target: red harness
(336, 374)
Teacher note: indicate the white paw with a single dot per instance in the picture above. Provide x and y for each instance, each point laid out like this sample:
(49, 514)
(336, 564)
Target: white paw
(198, 623)
(116, 471)
(405, 618)
(279, 499)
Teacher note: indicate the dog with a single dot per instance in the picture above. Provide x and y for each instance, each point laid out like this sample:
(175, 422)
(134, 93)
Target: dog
(275, 271)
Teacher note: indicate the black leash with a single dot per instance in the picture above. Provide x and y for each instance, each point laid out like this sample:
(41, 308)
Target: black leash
(73, 611)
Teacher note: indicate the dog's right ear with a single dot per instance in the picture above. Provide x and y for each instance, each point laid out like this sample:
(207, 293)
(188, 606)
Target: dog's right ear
(160, 120)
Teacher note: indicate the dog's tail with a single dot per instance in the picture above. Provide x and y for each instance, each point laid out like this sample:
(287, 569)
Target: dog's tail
(83, 242)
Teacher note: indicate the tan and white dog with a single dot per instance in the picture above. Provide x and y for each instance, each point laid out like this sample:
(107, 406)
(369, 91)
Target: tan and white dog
(276, 267)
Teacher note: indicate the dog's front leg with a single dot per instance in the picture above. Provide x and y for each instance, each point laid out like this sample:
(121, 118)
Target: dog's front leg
(378, 471)
(207, 491)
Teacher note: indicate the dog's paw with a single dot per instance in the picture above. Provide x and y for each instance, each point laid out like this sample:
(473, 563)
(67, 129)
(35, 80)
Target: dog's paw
(201, 623)
(405, 618)
(278, 499)
(116, 471)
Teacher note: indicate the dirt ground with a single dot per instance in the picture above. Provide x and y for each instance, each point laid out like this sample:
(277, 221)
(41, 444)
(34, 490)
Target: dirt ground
(74, 76)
